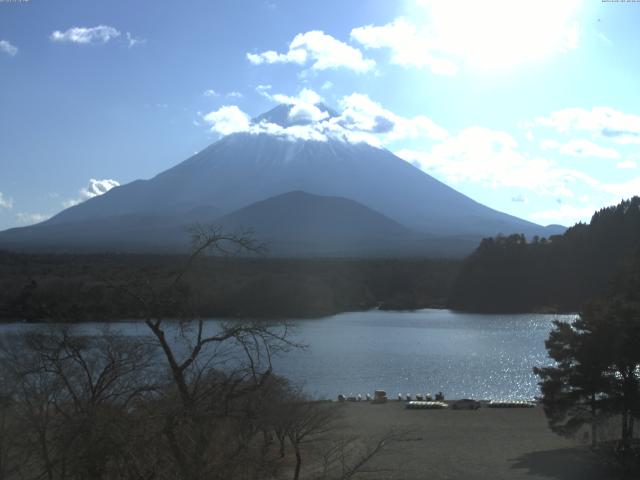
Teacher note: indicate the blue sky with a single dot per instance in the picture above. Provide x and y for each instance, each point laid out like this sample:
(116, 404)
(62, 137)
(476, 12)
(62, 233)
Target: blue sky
(528, 107)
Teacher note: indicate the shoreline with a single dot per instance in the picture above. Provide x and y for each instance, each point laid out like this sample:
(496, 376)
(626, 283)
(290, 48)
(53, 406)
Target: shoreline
(484, 402)
(266, 318)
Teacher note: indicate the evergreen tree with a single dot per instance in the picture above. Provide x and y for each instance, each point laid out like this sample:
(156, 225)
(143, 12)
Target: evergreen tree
(574, 391)
(597, 371)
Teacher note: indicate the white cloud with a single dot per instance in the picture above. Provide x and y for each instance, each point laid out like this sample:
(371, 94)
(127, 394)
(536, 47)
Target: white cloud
(24, 218)
(212, 93)
(228, 119)
(306, 112)
(306, 96)
(487, 34)
(627, 165)
(86, 35)
(133, 41)
(93, 189)
(580, 148)
(322, 51)
(363, 114)
(361, 120)
(303, 106)
(98, 187)
(264, 91)
(5, 203)
(304, 109)
(327, 85)
(360, 113)
(294, 132)
(603, 122)
(519, 199)
(626, 189)
(565, 214)
(271, 56)
(6, 47)
(408, 45)
(491, 158)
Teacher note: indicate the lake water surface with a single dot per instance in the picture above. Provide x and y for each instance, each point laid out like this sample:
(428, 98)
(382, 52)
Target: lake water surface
(460, 354)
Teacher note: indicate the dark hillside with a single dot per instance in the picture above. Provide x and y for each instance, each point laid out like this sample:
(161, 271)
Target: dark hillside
(509, 274)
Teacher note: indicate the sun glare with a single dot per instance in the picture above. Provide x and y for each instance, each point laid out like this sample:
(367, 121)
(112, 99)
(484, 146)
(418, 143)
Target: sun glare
(494, 34)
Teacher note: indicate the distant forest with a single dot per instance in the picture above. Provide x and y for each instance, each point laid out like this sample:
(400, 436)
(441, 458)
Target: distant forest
(510, 274)
(73, 288)
(504, 274)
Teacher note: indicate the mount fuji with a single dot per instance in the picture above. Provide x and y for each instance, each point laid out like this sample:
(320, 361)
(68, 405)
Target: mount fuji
(303, 197)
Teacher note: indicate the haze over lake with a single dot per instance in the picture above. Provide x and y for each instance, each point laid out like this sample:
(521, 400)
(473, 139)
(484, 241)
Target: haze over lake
(461, 354)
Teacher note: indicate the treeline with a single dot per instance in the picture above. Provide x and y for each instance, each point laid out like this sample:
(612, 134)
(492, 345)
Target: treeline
(511, 274)
(88, 287)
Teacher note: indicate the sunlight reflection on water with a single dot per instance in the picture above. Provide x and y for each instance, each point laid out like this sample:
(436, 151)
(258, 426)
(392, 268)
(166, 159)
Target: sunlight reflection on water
(461, 354)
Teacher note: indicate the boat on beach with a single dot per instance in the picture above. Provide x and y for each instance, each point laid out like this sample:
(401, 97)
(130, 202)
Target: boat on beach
(425, 405)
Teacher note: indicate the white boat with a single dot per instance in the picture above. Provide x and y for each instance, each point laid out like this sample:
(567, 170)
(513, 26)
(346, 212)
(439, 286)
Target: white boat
(424, 405)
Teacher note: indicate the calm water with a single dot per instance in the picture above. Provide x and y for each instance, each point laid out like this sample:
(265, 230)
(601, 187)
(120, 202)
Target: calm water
(463, 355)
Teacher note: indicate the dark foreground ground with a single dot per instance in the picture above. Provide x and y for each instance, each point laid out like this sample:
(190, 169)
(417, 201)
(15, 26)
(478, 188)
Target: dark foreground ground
(488, 444)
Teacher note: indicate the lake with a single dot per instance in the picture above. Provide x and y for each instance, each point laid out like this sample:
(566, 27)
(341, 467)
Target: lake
(461, 354)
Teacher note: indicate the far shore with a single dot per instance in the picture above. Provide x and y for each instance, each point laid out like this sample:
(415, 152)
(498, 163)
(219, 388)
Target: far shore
(309, 316)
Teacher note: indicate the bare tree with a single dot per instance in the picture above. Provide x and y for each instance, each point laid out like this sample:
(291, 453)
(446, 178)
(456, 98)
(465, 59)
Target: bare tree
(210, 366)
(307, 421)
(71, 395)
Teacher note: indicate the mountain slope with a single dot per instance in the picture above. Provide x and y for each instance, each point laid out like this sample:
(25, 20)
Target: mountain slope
(298, 222)
(294, 223)
(132, 232)
(243, 168)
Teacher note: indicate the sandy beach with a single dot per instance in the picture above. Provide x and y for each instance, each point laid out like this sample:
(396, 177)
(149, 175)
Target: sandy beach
(483, 444)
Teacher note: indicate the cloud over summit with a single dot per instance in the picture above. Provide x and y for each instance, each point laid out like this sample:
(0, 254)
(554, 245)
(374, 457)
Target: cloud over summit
(361, 120)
